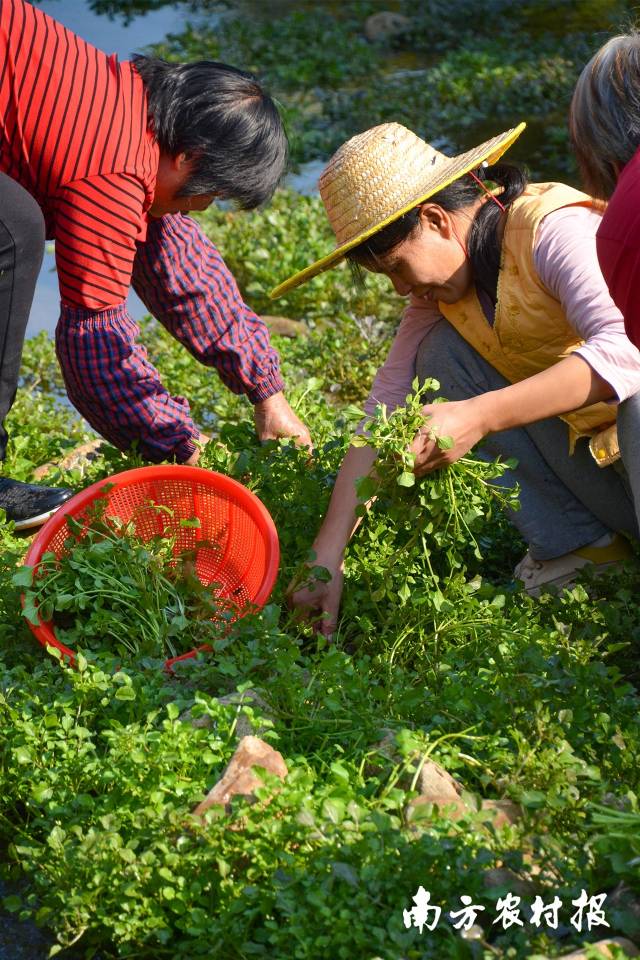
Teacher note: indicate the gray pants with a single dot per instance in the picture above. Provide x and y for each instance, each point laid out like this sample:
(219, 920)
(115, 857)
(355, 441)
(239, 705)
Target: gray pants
(566, 501)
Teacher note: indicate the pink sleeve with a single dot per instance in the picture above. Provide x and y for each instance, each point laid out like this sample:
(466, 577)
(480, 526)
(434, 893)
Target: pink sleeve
(393, 380)
(567, 263)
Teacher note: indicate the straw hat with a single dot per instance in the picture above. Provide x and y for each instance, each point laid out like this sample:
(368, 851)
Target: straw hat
(379, 175)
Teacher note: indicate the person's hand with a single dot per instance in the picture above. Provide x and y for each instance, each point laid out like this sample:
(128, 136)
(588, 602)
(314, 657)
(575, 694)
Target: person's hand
(203, 439)
(274, 418)
(460, 421)
(318, 601)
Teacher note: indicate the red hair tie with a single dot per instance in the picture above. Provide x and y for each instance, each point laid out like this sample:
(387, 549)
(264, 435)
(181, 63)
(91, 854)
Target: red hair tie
(487, 191)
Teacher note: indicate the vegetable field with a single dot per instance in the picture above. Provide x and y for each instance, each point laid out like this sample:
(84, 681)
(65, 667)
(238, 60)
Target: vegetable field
(531, 706)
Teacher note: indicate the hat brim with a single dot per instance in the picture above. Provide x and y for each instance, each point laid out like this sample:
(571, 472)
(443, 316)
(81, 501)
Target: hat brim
(452, 169)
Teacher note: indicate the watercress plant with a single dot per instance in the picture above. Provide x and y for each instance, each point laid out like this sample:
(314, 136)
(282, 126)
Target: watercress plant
(110, 589)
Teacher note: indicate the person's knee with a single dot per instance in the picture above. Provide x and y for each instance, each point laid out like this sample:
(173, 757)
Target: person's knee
(628, 421)
(444, 355)
(629, 433)
(629, 409)
(434, 353)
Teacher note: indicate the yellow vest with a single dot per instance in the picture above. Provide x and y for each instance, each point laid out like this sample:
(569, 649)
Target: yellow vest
(530, 332)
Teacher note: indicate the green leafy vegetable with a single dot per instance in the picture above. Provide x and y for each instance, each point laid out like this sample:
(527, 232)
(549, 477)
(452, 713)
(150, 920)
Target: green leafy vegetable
(110, 589)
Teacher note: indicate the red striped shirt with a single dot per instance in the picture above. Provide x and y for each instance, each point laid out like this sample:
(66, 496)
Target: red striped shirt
(74, 133)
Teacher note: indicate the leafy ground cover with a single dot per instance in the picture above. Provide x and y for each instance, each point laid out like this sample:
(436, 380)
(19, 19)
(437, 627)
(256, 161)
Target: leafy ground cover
(535, 702)
(438, 655)
(457, 65)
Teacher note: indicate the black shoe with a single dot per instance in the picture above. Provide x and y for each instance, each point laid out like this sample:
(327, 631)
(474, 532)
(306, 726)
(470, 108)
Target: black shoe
(28, 505)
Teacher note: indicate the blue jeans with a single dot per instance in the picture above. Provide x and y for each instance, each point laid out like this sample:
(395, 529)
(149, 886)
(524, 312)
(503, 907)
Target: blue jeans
(566, 500)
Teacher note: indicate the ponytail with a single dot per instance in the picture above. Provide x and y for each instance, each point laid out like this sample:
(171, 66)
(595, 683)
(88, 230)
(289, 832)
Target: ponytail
(483, 244)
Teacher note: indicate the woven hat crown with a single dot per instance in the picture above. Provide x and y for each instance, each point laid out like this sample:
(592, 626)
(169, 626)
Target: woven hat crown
(373, 174)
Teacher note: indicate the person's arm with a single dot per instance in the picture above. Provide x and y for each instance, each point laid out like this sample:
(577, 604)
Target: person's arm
(111, 382)
(392, 384)
(180, 276)
(568, 385)
(567, 262)
(318, 600)
(606, 367)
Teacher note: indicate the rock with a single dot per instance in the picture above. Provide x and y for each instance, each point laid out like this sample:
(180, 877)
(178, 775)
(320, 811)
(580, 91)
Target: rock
(434, 781)
(503, 812)
(387, 747)
(284, 327)
(79, 458)
(504, 877)
(239, 778)
(82, 455)
(624, 906)
(40, 472)
(438, 787)
(22, 940)
(454, 809)
(385, 25)
(530, 858)
(244, 726)
(384, 749)
(603, 946)
(435, 785)
(444, 795)
(250, 698)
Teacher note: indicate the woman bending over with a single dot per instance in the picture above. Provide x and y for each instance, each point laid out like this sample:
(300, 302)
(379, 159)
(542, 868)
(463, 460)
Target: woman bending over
(508, 310)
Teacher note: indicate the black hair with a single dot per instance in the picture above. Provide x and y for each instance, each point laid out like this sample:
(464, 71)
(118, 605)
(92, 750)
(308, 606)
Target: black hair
(483, 243)
(222, 118)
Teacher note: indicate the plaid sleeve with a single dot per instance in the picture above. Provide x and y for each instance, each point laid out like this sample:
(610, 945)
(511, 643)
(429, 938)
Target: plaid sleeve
(180, 276)
(110, 380)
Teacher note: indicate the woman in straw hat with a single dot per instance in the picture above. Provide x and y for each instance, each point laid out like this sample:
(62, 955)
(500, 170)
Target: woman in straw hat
(508, 310)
